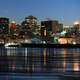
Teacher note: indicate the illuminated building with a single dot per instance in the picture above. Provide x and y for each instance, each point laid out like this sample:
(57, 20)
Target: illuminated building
(4, 25)
(51, 26)
(77, 26)
(76, 31)
(65, 40)
(12, 27)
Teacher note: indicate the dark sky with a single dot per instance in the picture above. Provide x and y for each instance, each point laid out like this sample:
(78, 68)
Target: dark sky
(66, 11)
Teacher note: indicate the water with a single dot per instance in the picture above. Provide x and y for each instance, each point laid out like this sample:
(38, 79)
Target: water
(31, 60)
(28, 78)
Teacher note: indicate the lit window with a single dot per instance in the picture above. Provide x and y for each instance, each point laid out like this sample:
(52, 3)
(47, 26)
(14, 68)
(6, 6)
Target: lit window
(76, 66)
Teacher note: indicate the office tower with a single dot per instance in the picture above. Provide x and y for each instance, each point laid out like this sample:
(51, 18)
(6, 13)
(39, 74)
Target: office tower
(76, 32)
(51, 26)
(12, 28)
(4, 25)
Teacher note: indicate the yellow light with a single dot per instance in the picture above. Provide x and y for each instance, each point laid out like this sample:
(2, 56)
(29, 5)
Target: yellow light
(44, 32)
(76, 66)
(62, 41)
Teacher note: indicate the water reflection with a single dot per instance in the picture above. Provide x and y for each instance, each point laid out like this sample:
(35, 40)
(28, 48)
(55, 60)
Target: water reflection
(20, 59)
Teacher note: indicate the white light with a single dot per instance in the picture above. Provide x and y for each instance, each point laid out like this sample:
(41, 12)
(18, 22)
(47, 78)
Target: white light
(63, 32)
(13, 22)
(76, 23)
(44, 42)
(74, 42)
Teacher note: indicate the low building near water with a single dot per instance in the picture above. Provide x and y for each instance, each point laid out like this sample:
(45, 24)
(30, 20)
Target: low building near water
(65, 40)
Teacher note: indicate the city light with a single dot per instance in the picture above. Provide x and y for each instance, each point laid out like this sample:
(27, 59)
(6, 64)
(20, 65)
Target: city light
(76, 66)
(76, 23)
(47, 31)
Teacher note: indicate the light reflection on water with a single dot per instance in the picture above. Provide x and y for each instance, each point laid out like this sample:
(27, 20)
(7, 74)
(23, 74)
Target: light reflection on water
(42, 59)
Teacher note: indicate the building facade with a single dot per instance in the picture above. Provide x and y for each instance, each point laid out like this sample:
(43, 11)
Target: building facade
(4, 25)
(51, 26)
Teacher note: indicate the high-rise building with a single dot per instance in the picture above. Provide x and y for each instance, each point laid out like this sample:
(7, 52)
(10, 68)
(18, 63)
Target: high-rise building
(4, 25)
(12, 27)
(76, 31)
(51, 26)
(77, 26)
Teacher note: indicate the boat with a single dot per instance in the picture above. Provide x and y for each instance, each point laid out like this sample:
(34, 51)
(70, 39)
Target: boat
(12, 44)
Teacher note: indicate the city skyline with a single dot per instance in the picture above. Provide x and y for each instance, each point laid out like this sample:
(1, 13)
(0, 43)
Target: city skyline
(66, 11)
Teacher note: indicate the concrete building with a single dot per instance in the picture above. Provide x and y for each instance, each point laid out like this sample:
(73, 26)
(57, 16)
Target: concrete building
(51, 26)
(4, 25)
